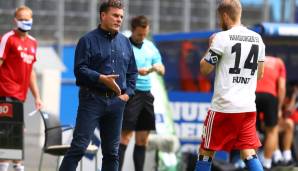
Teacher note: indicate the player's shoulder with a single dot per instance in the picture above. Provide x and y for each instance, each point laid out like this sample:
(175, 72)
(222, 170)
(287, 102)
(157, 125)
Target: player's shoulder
(273, 60)
(221, 36)
(279, 61)
(251, 32)
(8, 35)
(6, 38)
(31, 38)
(254, 33)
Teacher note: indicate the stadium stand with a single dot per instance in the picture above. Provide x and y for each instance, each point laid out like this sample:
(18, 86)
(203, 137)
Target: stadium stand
(77, 16)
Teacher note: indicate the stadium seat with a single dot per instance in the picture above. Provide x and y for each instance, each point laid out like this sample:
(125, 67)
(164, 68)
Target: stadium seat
(53, 139)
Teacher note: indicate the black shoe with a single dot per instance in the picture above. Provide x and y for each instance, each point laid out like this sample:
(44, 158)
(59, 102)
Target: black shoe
(279, 163)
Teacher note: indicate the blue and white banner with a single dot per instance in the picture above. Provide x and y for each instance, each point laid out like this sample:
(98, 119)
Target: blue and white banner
(189, 112)
(279, 29)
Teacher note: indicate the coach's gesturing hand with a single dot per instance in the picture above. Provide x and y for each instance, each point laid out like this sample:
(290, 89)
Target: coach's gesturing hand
(109, 81)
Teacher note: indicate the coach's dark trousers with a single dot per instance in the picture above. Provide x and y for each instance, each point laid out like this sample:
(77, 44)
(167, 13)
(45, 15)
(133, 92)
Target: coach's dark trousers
(96, 111)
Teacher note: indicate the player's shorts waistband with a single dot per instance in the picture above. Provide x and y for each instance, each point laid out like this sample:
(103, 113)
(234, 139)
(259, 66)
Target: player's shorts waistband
(9, 99)
(141, 91)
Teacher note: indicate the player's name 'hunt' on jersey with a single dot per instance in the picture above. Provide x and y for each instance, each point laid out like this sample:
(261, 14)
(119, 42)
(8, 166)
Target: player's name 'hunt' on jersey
(241, 80)
(243, 38)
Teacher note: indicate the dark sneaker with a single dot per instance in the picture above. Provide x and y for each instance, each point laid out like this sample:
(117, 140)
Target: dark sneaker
(279, 163)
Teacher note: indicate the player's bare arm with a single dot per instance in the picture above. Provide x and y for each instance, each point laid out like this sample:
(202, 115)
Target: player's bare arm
(205, 67)
(1, 62)
(207, 63)
(281, 94)
(260, 70)
(292, 105)
(34, 90)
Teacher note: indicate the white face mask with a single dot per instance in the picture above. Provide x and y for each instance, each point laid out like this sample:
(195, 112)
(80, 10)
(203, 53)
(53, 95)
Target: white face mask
(24, 25)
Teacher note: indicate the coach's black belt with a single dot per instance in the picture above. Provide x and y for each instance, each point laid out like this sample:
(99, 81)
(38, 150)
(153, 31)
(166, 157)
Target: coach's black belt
(9, 99)
(108, 93)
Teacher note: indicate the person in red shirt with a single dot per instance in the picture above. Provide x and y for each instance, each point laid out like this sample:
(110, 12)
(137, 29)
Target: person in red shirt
(291, 107)
(286, 126)
(189, 81)
(17, 56)
(270, 94)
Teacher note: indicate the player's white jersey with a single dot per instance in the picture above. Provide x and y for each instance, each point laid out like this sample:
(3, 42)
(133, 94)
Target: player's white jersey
(236, 53)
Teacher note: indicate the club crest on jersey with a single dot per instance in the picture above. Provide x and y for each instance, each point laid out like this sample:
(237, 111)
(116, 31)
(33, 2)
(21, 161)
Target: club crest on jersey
(214, 59)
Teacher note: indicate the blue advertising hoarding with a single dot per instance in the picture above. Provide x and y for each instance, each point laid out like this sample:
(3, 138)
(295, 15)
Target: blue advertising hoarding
(189, 112)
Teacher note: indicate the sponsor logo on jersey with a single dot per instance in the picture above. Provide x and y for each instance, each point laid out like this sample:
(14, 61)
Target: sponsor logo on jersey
(27, 58)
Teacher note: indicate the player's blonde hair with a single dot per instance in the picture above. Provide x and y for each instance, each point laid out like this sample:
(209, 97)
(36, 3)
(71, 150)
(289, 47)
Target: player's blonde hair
(232, 8)
(22, 8)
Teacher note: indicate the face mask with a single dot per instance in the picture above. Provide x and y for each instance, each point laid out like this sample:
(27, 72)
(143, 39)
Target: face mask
(24, 25)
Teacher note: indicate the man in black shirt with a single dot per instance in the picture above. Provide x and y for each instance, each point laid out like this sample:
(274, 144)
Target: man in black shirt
(106, 72)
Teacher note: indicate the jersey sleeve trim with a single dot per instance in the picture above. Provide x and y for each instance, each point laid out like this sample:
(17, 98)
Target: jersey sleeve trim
(3, 43)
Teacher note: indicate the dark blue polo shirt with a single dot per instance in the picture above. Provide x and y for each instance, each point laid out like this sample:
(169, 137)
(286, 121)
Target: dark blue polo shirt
(98, 52)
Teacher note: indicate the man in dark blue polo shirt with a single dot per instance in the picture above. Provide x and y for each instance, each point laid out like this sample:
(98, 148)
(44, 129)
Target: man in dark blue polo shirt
(106, 72)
